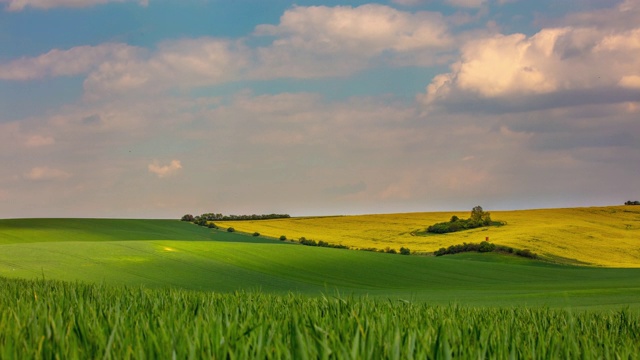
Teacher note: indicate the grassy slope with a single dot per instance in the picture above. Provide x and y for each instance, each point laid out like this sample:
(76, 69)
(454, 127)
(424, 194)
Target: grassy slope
(138, 252)
(602, 236)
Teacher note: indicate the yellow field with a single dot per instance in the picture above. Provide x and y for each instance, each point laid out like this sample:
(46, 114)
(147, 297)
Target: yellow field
(601, 236)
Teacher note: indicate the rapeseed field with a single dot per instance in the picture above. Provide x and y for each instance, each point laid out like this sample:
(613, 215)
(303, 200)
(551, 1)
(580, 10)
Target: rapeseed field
(597, 236)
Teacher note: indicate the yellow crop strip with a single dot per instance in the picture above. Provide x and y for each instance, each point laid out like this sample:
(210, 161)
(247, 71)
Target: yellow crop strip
(600, 236)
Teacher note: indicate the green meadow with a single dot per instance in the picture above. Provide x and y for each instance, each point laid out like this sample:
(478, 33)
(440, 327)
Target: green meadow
(130, 289)
(167, 253)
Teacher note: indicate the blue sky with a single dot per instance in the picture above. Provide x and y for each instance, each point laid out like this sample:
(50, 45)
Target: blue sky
(158, 108)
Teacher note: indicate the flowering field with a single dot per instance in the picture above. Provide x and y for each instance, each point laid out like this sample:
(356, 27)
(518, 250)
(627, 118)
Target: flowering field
(601, 236)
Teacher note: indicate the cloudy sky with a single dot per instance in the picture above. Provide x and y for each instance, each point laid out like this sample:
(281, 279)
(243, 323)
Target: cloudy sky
(157, 108)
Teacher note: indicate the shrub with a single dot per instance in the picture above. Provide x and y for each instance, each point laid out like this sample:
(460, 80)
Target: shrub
(231, 229)
(283, 238)
(212, 226)
(256, 234)
(405, 251)
(187, 217)
(478, 219)
(389, 250)
(526, 253)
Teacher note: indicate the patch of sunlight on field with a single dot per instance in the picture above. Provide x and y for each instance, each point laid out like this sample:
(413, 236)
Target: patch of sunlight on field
(600, 236)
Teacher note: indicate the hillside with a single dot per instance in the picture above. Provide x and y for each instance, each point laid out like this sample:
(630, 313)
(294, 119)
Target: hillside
(205, 259)
(599, 236)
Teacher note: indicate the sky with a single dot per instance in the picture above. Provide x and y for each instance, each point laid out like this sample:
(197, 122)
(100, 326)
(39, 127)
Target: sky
(159, 108)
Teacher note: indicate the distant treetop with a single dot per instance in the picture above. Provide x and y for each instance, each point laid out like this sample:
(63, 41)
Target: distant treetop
(632, 202)
(219, 217)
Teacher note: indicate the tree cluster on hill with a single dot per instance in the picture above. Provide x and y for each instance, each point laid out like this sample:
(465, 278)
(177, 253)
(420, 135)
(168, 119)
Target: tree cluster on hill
(309, 242)
(388, 250)
(202, 219)
(482, 247)
(632, 202)
(478, 218)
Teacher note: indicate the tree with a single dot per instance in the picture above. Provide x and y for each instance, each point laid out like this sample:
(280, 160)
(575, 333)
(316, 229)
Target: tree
(454, 219)
(187, 217)
(480, 217)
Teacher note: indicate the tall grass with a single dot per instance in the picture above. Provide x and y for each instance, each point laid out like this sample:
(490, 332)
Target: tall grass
(51, 319)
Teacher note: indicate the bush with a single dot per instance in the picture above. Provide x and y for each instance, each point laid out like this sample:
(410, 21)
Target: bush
(187, 217)
(256, 234)
(526, 253)
(478, 219)
(389, 250)
(212, 226)
(482, 247)
(231, 229)
(283, 238)
(405, 251)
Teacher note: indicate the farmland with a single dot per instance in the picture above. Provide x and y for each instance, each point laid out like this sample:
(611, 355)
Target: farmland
(50, 319)
(88, 288)
(161, 253)
(599, 236)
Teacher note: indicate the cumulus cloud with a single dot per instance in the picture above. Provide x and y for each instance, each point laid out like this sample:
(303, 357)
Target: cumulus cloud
(467, 3)
(579, 63)
(182, 63)
(45, 173)
(408, 2)
(164, 170)
(34, 141)
(19, 5)
(74, 61)
(323, 41)
(630, 81)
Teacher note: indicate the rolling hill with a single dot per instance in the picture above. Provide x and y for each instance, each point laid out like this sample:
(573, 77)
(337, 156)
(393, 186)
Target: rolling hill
(161, 253)
(598, 236)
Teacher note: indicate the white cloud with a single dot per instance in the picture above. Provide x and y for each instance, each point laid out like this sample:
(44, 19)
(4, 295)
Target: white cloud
(175, 64)
(74, 61)
(34, 141)
(309, 42)
(555, 60)
(19, 5)
(408, 2)
(329, 41)
(164, 170)
(467, 3)
(45, 173)
(630, 81)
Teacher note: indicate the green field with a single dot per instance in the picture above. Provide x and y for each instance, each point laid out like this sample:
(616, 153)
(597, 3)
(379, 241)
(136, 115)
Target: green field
(161, 253)
(51, 320)
(130, 289)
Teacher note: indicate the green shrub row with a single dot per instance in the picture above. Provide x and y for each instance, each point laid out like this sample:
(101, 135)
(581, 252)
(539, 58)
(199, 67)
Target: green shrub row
(482, 247)
(212, 217)
(320, 243)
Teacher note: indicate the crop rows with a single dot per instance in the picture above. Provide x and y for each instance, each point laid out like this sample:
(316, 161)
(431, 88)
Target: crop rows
(51, 319)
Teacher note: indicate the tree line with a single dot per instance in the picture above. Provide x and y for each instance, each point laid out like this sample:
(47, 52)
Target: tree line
(632, 202)
(482, 247)
(202, 219)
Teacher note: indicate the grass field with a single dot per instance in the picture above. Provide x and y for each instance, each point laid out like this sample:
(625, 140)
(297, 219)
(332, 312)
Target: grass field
(600, 236)
(138, 252)
(125, 289)
(62, 320)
